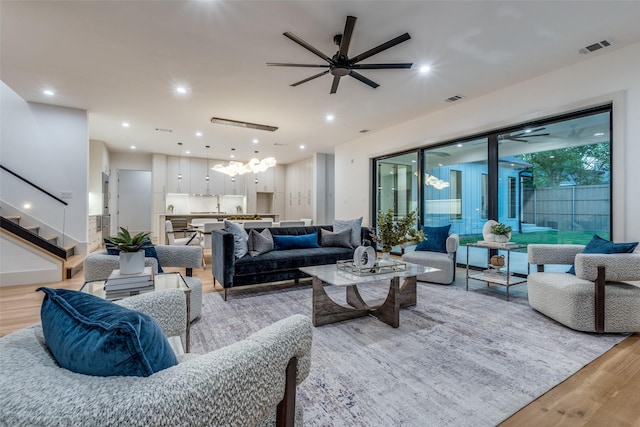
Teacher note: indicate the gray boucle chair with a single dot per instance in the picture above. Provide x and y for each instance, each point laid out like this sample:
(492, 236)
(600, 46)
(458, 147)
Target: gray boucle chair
(592, 300)
(247, 383)
(444, 262)
(99, 265)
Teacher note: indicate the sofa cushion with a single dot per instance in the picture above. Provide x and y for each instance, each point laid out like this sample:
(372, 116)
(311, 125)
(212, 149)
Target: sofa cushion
(260, 243)
(355, 225)
(598, 245)
(240, 238)
(149, 252)
(272, 262)
(339, 239)
(435, 239)
(304, 241)
(93, 336)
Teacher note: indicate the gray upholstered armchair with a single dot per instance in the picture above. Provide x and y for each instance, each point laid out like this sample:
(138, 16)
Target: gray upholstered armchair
(592, 300)
(445, 262)
(247, 383)
(98, 265)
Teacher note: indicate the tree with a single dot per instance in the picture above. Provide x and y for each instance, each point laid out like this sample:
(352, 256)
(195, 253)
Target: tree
(579, 165)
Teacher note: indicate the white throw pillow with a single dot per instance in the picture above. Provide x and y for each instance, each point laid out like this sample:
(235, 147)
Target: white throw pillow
(356, 229)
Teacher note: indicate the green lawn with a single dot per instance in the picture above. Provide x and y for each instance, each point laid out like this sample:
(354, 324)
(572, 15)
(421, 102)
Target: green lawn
(550, 237)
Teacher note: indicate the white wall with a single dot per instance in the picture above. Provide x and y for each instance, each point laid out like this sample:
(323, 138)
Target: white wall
(607, 77)
(49, 146)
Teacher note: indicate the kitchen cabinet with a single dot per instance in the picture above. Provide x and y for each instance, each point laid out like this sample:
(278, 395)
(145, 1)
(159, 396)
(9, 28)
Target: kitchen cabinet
(197, 177)
(178, 166)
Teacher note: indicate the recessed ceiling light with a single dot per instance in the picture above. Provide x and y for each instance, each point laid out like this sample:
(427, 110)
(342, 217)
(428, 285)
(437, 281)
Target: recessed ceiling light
(599, 134)
(232, 156)
(255, 141)
(125, 125)
(329, 117)
(187, 152)
(425, 69)
(301, 146)
(133, 147)
(198, 133)
(459, 145)
(181, 90)
(48, 92)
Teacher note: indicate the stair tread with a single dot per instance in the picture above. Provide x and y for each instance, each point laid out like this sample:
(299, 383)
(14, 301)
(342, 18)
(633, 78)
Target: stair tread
(12, 217)
(74, 260)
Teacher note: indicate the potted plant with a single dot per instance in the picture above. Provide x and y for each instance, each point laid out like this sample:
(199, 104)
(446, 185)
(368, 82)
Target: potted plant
(391, 233)
(131, 250)
(502, 232)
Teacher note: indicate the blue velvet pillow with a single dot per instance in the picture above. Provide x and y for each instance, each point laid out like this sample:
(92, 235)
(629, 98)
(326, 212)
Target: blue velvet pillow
(436, 239)
(304, 241)
(598, 245)
(149, 252)
(93, 336)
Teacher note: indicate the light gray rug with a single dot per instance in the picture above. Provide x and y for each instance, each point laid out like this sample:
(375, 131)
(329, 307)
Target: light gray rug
(458, 358)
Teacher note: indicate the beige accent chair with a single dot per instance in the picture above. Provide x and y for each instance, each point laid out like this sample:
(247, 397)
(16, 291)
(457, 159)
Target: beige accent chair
(595, 299)
(257, 223)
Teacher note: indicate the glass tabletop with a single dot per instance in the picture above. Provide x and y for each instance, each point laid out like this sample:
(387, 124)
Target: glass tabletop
(173, 280)
(331, 274)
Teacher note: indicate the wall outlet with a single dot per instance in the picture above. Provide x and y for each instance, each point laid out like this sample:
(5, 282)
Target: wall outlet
(66, 194)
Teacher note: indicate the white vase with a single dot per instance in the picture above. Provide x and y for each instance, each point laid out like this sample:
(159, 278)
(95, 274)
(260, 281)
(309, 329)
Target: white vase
(490, 237)
(131, 262)
(500, 238)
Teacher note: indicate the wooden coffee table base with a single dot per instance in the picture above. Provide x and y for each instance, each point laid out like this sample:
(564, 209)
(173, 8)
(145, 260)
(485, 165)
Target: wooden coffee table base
(326, 310)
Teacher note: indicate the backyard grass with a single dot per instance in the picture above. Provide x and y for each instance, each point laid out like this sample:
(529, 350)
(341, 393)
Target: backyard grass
(548, 237)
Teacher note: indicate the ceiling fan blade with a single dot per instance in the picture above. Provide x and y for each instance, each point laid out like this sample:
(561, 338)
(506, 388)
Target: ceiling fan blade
(380, 48)
(346, 35)
(334, 85)
(307, 46)
(281, 64)
(380, 66)
(310, 78)
(539, 134)
(363, 79)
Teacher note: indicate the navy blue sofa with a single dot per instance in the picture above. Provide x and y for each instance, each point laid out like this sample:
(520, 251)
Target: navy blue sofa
(272, 266)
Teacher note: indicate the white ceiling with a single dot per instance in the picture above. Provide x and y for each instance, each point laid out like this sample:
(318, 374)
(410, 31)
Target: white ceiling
(121, 60)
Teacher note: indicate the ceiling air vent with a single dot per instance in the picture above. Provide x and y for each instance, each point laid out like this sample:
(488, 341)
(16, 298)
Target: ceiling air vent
(164, 130)
(238, 123)
(595, 46)
(454, 98)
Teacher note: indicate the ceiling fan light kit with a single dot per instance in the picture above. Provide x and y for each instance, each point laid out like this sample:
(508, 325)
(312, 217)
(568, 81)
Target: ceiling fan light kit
(340, 65)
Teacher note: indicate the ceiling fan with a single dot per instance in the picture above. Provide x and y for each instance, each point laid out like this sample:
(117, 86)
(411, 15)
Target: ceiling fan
(522, 136)
(340, 64)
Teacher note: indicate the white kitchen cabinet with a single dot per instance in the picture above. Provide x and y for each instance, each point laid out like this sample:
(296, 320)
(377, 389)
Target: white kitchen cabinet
(178, 166)
(197, 175)
(235, 185)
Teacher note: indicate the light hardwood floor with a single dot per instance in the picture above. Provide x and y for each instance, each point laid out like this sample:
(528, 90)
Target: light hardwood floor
(604, 393)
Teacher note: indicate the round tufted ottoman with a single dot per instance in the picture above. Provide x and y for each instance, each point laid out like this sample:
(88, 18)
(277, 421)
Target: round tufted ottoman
(195, 300)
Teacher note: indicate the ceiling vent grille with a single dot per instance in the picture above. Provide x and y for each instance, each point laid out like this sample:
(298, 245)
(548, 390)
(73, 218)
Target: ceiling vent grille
(237, 123)
(454, 98)
(595, 46)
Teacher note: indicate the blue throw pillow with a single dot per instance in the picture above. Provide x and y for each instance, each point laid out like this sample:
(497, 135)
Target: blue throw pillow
(436, 239)
(149, 252)
(304, 241)
(93, 336)
(598, 245)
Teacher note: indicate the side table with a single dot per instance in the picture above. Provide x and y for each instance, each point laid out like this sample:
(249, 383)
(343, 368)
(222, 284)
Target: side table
(496, 276)
(161, 281)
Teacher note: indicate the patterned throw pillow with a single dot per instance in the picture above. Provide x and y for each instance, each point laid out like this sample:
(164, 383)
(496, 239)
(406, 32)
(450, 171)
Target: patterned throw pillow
(260, 243)
(355, 225)
(92, 336)
(436, 239)
(240, 238)
(340, 239)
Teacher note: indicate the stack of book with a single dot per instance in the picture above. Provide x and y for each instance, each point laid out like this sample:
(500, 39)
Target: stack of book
(124, 285)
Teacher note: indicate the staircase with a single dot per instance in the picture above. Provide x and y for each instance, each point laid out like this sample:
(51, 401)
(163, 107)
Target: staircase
(49, 243)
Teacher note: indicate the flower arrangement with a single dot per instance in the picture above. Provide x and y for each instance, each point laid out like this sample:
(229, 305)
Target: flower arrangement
(501, 229)
(391, 233)
(125, 242)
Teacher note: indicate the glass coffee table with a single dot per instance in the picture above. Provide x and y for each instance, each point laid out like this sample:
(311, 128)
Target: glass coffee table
(161, 281)
(326, 310)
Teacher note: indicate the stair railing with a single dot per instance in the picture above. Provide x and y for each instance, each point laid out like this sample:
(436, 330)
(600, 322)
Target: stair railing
(31, 200)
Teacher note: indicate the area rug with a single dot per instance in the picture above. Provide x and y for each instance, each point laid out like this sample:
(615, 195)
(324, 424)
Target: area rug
(459, 358)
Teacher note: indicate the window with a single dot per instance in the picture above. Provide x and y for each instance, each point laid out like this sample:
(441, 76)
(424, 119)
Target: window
(455, 179)
(512, 197)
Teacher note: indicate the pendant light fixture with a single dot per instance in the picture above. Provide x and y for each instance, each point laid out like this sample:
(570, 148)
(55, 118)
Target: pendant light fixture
(179, 166)
(207, 177)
